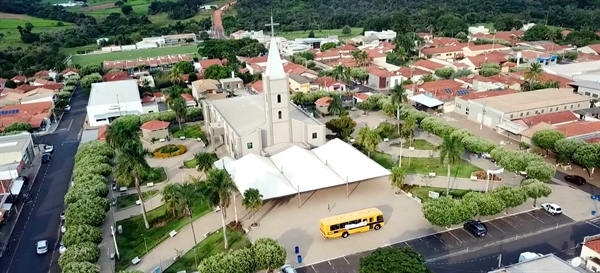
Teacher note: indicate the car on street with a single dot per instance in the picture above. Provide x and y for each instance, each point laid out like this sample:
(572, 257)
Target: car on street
(68, 108)
(62, 215)
(46, 157)
(42, 247)
(476, 228)
(48, 149)
(575, 179)
(287, 269)
(552, 208)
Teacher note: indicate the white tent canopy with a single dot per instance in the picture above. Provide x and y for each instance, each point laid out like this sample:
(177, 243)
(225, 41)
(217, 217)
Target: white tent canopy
(297, 170)
(304, 170)
(348, 162)
(426, 100)
(221, 163)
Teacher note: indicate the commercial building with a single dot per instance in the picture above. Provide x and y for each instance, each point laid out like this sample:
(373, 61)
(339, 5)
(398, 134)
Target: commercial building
(581, 71)
(110, 100)
(545, 264)
(492, 111)
(587, 88)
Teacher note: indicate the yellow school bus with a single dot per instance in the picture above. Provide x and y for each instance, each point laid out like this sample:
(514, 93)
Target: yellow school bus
(350, 223)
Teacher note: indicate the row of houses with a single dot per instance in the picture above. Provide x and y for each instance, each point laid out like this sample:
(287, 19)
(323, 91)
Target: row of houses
(147, 62)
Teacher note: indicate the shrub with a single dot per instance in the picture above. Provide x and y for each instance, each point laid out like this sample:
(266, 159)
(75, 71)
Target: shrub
(169, 150)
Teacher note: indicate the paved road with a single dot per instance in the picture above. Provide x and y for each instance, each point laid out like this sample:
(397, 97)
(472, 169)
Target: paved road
(219, 31)
(589, 188)
(40, 220)
(562, 242)
(439, 245)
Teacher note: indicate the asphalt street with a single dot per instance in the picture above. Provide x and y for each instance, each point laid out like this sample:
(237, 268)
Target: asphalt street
(440, 245)
(562, 242)
(589, 188)
(40, 220)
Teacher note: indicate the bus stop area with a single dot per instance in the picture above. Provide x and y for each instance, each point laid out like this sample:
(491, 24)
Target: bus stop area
(445, 243)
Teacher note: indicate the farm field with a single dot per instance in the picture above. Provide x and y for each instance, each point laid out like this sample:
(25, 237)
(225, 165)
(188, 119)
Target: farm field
(134, 54)
(323, 33)
(10, 22)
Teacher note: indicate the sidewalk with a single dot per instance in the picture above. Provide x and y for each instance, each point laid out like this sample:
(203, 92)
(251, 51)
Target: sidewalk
(405, 151)
(126, 213)
(13, 216)
(455, 183)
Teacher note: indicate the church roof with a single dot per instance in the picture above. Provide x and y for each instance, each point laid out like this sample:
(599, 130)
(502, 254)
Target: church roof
(274, 67)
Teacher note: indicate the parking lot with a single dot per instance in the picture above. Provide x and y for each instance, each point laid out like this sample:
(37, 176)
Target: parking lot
(441, 244)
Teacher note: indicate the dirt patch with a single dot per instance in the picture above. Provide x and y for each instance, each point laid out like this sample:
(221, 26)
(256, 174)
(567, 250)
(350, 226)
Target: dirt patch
(13, 16)
(100, 7)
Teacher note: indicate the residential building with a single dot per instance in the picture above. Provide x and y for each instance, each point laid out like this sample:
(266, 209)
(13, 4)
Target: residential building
(581, 129)
(155, 129)
(330, 84)
(444, 52)
(257, 87)
(110, 100)
(19, 79)
(590, 253)
(510, 37)
(206, 89)
(492, 111)
(412, 73)
(299, 83)
(16, 154)
(255, 35)
(116, 76)
(177, 39)
(428, 65)
(587, 88)
(361, 97)
(71, 71)
(548, 263)
(444, 91)
(384, 35)
(383, 79)
(590, 49)
(474, 63)
(40, 97)
(546, 77)
(322, 105)
(474, 50)
(555, 118)
(478, 29)
(288, 48)
(270, 122)
(38, 115)
(532, 56)
(462, 102)
(40, 82)
(232, 83)
(204, 64)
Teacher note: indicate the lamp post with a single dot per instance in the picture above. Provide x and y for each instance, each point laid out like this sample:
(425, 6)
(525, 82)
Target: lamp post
(145, 244)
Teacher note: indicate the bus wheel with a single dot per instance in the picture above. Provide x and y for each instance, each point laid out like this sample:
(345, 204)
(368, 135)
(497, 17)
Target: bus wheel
(345, 235)
(377, 227)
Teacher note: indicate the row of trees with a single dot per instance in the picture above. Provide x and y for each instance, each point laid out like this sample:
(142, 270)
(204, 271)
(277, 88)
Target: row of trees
(568, 150)
(446, 211)
(86, 207)
(264, 254)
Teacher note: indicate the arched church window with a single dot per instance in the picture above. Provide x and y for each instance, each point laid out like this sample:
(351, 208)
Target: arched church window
(279, 114)
(278, 98)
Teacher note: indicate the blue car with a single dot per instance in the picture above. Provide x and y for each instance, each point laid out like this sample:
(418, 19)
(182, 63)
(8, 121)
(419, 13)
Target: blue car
(46, 157)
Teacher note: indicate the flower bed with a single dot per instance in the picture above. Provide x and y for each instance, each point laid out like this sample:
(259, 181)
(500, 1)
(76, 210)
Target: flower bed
(169, 150)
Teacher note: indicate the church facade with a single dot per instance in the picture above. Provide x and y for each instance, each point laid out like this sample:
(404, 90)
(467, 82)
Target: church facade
(262, 124)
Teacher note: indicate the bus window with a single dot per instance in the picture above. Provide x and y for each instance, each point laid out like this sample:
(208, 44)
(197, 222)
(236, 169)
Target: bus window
(333, 228)
(364, 220)
(371, 220)
(380, 218)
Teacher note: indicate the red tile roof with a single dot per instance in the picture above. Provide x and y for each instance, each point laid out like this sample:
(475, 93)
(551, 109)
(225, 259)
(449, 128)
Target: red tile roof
(444, 41)
(428, 64)
(492, 57)
(593, 140)
(187, 97)
(32, 113)
(323, 101)
(42, 81)
(435, 86)
(19, 78)
(206, 63)
(579, 128)
(292, 68)
(255, 60)
(328, 81)
(406, 72)
(70, 69)
(585, 57)
(487, 47)
(562, 82)
(115, 76)
(441, 50)
(347, 48)
(486, 94)
(551, 118)
(530, 54)
(380, 73)
(43, 73)
(257, 86)
(502, 35)
(185, 77)
(595, 47)
(27, 87)
(362, 96)
(102, 132)
(51, 86)
(2, 80)
(329, 54)
(154, 125)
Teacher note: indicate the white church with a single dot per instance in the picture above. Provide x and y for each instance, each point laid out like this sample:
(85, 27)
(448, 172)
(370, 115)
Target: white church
(262, 124)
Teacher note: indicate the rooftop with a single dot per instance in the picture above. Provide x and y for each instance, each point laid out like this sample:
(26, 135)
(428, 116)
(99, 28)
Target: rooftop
(32, 113)
(587, 84)
(254, 113)
(551, 118)
(110, 93)
(300, 79)
(154, 125)
(14, 143)
(546, 263)
(579, 128)
(532, 100)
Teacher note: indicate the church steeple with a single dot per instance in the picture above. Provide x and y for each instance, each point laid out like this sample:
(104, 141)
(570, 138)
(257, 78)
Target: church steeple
(274, 66)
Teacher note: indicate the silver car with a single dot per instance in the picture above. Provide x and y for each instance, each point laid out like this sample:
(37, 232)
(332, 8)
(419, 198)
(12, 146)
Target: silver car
(287, 269)
(42, 247)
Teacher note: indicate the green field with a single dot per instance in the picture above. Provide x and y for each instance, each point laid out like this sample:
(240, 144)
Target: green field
(323, 33)
(8, 27)
(135, 54)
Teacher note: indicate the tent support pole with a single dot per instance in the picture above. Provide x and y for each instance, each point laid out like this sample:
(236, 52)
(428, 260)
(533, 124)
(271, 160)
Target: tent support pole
(299, 197)
(347, 188)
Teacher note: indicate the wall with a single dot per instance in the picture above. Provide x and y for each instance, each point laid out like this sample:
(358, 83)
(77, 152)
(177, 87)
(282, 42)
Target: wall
(460, 105)
(592, 93)
(150, 108)
(586, 255)
(254, 138)
(102, 110)
(374, 81)
(476, 114)
(584, 104)
(304, 133)
(323, 109)
(305, 88)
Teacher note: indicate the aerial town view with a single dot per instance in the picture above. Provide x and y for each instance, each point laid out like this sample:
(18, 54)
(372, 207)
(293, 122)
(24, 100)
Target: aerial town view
(299, 136)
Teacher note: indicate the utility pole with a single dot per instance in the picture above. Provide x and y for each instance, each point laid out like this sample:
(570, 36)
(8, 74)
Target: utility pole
(499, 260)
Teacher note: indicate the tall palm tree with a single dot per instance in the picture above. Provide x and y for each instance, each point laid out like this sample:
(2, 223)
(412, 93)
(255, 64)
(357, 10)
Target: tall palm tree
(253, 202)
(335, 106)
(341, 73)
(177, 104)
(181, 198)
(219, 187)
(535, 73)
(205, 161)
(131, 164)
(175, 77)
(398, 96)
(360, 57)
(450, 151)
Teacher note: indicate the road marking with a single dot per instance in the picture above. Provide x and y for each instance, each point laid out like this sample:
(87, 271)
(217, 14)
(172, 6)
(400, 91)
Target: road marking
(593, 224)
(534, 217)
(70, 124)
(441, 241)
(454, 236)
(346, 260)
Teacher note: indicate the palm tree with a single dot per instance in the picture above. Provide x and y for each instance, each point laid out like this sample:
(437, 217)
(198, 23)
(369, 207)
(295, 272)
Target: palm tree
(450, 151)
(341, 73)
(360, 57)
(397, 178)
(177, 103)
(180, 199)
(205, 161)
(218, 192)
(175, 77)
(253, 202)
(398, 96)
(535, 73)
(335, 106)
(131, 164)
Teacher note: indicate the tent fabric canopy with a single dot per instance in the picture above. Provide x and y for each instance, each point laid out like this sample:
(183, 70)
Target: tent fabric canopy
(297, 170)
(426, 100)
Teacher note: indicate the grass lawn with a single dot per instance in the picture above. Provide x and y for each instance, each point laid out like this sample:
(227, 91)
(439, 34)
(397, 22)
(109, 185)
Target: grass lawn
(212, 245)
(419, 144)
(134, 54)
(385, 160)
(423, 192)
(157, 175)
(131, 242)
(433, 165)
(323, 33)
(129, 200)
(8, 27)
(188, 131)
(192, 162)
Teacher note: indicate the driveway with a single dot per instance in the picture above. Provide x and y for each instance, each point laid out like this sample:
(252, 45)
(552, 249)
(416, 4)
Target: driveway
(40, 220)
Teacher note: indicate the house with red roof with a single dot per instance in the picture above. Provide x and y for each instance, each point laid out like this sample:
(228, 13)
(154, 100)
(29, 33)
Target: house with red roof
(2, 83)
(546, 77)
(257, 86)
(590, 49)
(442, 52)
(37, 114)
(590, 252)
(155, 129)
(116, 76)
(204, 64)
(361, 97)
(322, 105)
(510, 37)
(413, 73)
(43, 73)
(554, 118)
(71, 71)
(474, 50)
(40, 82)
(579, 129)
(443, 90)
(380, 78)
(19, 79)
(428, 65)
(330, 84)
(347, 48)
(475, 62)
(481, 83)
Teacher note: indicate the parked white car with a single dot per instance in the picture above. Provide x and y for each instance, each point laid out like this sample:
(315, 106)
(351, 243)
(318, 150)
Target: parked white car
(68, 108)
(48, 149)
(42, 247)
(552, 208)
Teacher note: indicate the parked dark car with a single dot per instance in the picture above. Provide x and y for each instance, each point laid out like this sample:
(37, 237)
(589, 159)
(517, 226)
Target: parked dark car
(46, 157)
(575, 179)
(476, 228)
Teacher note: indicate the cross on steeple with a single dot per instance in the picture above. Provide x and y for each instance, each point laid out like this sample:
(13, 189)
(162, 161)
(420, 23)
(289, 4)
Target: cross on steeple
(272, 25)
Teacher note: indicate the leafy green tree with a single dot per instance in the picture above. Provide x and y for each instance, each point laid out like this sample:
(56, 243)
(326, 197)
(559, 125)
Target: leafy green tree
(535, 74)
(445, 72)
(327, 46)
(445, 211)
(478, 145)
(463, 72)
(311, 34)
(178, 104)
(93, 201)
(80, 267)
(486, 204)
(252, 202)
(205, 161)
(346, 30)
(368, 139)
(95, 147)
(545, 139)
(499, 153)
(217, 72)
(126, 9)
(536, 189)
(517, 161)
(184, 67)
(393, 259)
(536, 33)
(89, 69)
(408, 128)
(565, 148)
(450, 153)
(335, 106)
(540, 170)
(462, 37)
(571, 55)
(512, 197)
(588, 157)
(219, 187)
(85, 158)
(192, 77)
(18, 127)
(131, 164)
(342, 127)
(461, 134)
(130, 271)
(79, 213)
(269, 254)
(82, 233)
(83, 190)
(88, 80)
(398, 178)
(84, 252)
(365, 106)
(428, 78)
